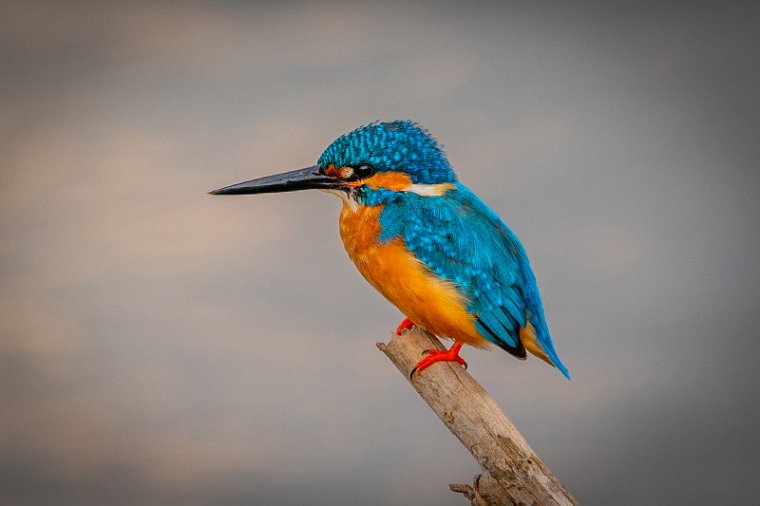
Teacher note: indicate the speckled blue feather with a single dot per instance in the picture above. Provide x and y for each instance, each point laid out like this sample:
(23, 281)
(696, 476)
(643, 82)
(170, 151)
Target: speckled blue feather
(460, 239)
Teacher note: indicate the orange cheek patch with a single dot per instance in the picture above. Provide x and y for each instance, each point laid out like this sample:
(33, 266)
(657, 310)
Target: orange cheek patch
(338, 172)
(344, 172)
(396, 181)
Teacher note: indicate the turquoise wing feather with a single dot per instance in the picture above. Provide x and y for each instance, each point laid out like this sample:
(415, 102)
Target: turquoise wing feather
(460, 239)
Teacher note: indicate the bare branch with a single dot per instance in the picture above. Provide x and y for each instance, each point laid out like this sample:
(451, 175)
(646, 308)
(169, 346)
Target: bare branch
(512, 472)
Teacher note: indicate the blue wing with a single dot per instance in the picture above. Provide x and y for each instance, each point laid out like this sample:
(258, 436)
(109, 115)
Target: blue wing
(460, 239)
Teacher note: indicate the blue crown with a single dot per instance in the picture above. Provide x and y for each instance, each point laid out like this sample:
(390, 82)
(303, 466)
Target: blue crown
(396, 146)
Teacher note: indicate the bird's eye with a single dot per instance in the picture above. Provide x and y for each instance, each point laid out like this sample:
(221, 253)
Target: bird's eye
(363, 171)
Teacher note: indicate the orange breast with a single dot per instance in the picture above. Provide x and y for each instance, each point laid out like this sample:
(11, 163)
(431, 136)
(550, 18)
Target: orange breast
(432, 303)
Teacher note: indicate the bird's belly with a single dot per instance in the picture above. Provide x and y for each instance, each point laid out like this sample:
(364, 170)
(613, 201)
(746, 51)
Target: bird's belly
(430, 302)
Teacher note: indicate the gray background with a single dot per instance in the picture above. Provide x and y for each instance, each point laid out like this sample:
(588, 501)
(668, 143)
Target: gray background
(162, 346)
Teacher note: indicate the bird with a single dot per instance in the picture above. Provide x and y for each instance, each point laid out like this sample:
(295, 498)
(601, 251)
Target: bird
(425, 241)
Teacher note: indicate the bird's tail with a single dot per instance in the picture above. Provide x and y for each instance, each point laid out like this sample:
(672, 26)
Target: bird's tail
(542, 348)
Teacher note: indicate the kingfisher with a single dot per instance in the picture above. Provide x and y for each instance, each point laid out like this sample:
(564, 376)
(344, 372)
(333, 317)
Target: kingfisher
(425, 241)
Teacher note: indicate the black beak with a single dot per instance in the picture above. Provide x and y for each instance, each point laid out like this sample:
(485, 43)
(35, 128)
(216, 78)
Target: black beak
(301, 179)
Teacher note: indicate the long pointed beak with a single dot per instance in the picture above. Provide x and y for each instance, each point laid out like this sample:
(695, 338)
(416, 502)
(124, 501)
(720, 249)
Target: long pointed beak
(301, 179)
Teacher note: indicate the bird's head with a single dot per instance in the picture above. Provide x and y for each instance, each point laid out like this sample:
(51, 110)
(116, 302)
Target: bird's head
(401, 147)
(395, 156)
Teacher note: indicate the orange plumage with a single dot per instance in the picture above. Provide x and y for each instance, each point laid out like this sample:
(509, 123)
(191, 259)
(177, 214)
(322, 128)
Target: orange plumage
(429, 301)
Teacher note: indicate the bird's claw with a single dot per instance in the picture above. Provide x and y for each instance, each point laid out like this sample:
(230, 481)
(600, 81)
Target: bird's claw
(433, 356)
(405, 324)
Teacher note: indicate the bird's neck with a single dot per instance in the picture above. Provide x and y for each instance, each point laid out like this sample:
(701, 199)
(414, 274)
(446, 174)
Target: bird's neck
(357, 198)
(373, 194)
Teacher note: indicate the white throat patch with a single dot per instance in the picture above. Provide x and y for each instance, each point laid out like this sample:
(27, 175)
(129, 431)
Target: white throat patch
(348, 201)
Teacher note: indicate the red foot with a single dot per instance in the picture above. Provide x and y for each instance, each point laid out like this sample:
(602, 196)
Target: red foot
(433, 356)
(406, 324)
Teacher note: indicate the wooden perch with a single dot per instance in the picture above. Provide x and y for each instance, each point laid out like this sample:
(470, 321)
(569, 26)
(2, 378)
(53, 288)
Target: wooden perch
(512, 472)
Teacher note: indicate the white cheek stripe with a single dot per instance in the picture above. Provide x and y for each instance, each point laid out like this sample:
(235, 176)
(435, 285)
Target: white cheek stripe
(429, 190)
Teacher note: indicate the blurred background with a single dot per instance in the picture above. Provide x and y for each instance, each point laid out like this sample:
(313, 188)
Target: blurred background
(162, 346)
